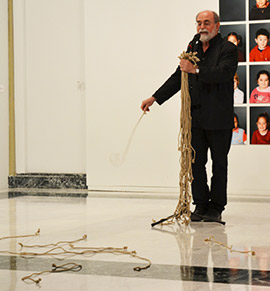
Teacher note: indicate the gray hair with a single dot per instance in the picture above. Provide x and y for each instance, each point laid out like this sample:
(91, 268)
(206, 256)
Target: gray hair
(216, 16)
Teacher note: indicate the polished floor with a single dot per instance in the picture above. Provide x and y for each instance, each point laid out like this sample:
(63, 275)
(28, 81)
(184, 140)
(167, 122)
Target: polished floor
(180, 257)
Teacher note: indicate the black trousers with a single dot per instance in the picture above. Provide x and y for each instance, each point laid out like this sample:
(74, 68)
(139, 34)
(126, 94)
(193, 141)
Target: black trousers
(219, 142)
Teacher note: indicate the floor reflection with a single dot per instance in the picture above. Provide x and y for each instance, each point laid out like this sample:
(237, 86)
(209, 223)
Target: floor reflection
(180, 255)
(201, 261)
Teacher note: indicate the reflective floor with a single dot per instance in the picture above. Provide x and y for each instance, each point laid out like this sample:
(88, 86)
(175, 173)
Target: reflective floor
(180, 257)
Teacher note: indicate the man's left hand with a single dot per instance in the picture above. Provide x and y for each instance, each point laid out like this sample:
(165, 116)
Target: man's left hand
(187, 66)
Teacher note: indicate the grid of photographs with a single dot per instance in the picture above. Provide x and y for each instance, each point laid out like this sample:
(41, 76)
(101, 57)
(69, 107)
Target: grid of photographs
(246, 23)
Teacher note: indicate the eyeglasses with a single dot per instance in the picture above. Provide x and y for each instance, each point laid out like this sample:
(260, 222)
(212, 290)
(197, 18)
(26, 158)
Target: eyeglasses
(205, 23)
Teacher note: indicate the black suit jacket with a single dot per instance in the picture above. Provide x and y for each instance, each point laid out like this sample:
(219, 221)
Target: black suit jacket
(211, 90)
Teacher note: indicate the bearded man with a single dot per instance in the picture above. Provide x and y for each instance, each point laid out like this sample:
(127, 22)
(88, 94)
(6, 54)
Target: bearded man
(211, 91)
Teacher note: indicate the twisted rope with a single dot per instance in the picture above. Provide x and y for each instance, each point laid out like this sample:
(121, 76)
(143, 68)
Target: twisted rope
(57, 249)
(123, 251)
(21, 236)
(212, 239)
(84, 237)
(187, 153)
(61, 251)
(118, 159)
(55, 269)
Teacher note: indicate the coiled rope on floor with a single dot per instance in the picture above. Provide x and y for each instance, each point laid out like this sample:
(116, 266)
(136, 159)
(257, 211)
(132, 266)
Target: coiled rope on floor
(64, 248)
(187, 153)
(61, 252)
(123, 251)
(55, 269)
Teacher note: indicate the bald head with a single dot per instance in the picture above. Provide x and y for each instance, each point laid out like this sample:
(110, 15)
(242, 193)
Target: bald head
(215, 16)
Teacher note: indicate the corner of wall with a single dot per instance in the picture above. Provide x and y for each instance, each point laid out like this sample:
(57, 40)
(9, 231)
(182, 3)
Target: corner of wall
(4, 152)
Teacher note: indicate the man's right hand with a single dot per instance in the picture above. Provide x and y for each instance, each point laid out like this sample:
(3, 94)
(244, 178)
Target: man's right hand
(147, 103)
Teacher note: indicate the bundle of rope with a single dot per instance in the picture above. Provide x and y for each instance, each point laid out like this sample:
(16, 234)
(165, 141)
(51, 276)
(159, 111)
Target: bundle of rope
(187, 153)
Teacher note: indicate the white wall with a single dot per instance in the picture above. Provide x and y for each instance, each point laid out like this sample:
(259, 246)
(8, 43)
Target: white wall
(249, 168)
(49, 93)
(131, 49)
(4, 95)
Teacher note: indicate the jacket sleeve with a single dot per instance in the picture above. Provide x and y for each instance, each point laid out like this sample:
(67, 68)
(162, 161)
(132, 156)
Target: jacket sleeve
(173, 84)
(169, 88)
(225, 68)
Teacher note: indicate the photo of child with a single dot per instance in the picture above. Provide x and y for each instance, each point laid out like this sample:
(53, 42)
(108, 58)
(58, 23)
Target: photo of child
(236, 34)
(261, 94)
(238, 94)
(262, 134)
(235, 39)
(238, 134)
(261, 10)
(261, 52)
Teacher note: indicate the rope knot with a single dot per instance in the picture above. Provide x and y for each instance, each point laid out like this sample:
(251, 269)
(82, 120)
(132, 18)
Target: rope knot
(191, 56)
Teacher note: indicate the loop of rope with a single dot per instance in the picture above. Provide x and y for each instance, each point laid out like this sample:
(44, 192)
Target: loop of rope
(212, 239)
(123, 250)
(63, 268)
(55, 269)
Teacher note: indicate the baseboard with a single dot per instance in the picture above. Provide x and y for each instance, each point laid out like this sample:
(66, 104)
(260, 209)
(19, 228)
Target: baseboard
(48, 181)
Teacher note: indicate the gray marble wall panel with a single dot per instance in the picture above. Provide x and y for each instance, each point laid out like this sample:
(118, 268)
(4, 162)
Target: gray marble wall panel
(48, 181)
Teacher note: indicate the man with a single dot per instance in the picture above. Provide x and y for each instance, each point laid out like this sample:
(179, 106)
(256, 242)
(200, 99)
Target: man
(211, 91)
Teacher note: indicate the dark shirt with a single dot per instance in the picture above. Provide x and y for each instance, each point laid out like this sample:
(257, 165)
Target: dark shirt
(211, 91)
(260, 13)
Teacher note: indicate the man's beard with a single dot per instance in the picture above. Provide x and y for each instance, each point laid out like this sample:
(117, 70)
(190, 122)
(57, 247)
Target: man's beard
(208, 36)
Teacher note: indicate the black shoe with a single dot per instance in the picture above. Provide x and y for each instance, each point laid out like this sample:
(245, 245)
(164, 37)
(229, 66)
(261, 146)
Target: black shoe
(212, 215)
(200, 210)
